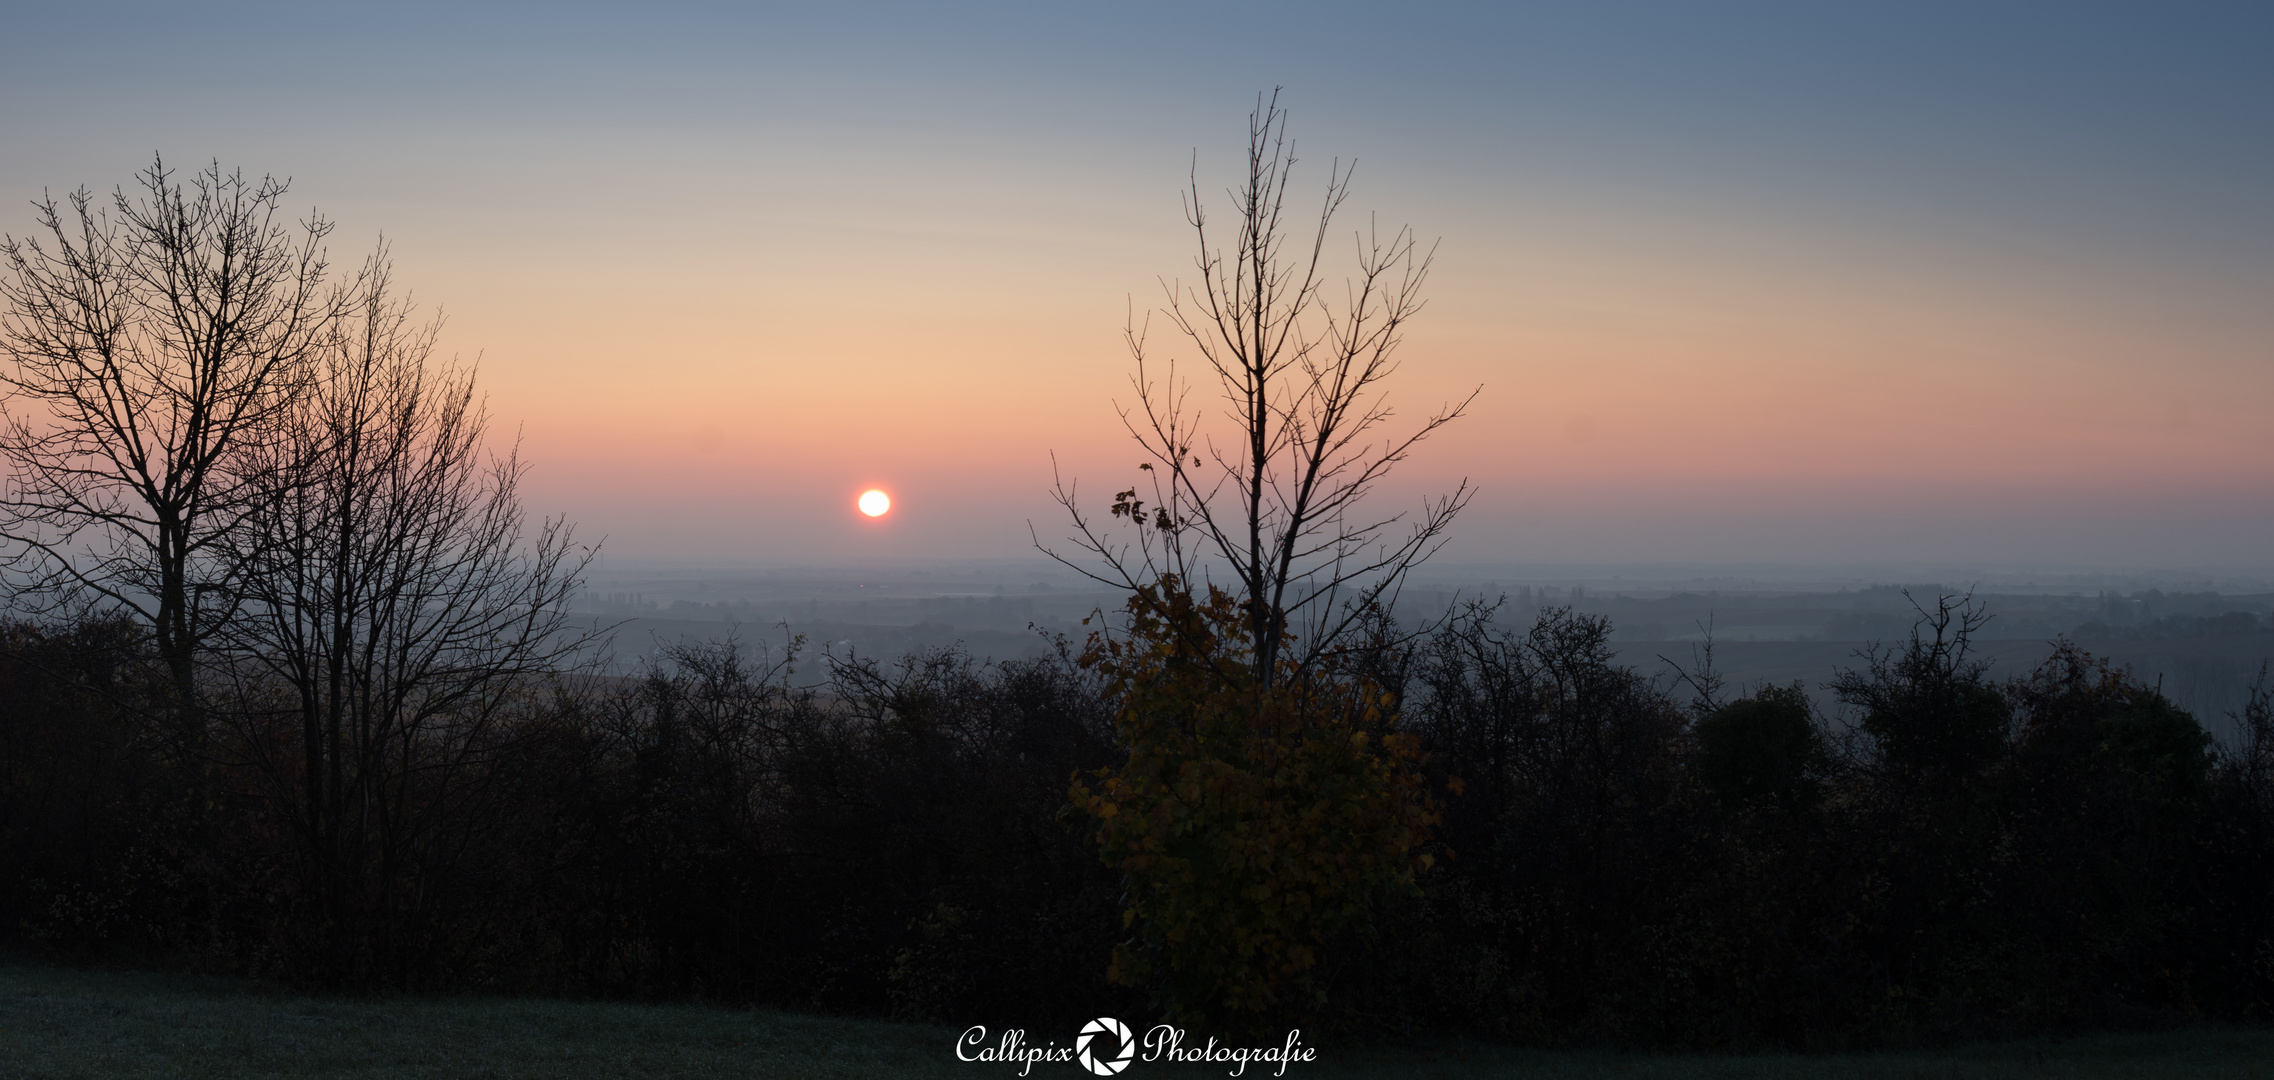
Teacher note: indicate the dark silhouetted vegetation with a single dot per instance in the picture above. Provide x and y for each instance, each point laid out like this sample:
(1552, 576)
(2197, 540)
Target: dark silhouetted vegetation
(1950, 856)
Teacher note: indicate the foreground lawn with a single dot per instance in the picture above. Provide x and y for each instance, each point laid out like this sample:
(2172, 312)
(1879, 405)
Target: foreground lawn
(67, 1023)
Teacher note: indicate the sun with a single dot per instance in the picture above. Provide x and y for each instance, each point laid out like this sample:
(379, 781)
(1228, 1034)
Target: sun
(874, 503)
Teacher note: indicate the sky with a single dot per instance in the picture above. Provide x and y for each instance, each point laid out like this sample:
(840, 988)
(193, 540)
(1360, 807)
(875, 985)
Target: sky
(1967, 284)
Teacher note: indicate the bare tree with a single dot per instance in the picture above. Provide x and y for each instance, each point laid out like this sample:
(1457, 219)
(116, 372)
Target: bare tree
(392, 583)
(1276, 501)
(268, 470)
(147, 343)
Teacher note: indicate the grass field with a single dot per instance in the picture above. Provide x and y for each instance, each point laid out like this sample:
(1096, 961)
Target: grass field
(71, 1023)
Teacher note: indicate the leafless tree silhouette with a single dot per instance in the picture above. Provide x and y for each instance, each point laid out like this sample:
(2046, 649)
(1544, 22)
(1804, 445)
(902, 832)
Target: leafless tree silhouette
(148, 343)
(1278, 503)
(390, 581)
(264, 465)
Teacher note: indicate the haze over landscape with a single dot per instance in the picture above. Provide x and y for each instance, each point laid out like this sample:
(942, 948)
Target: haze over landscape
(1929, 292)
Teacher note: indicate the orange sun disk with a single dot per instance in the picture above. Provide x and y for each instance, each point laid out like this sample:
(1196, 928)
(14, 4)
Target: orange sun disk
(874, 503)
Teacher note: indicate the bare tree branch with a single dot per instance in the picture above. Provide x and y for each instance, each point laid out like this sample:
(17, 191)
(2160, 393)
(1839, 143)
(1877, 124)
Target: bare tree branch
(147, 344)
(1276, 504)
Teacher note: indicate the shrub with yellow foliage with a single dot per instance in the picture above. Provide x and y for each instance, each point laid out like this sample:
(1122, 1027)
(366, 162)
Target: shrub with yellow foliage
(1257, 823)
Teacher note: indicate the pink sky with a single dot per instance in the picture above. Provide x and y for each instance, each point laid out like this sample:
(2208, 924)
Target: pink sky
(1648, 391)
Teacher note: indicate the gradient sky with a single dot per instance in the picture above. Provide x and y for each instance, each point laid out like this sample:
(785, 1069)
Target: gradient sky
(1920, 283)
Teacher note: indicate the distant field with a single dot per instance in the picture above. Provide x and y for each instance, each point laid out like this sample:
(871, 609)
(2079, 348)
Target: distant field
(1761, 636)
(70, 1023)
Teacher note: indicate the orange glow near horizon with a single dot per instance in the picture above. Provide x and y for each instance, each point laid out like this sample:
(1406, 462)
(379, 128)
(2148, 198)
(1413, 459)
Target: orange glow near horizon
(1758, 366)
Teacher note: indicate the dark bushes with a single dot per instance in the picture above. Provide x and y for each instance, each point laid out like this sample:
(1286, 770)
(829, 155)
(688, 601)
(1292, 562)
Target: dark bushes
(1968, 857)
(885, 842)
(1567, 845)
(91, 798)
(891, 844)
(1944, 855)
(1763, 751)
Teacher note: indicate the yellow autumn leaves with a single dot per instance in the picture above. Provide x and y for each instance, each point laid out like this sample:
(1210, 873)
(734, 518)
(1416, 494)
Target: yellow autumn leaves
(1257, 822)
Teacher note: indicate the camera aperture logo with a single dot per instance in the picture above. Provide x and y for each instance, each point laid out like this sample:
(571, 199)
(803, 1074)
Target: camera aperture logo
(1106, 1046)
(1124, 1046)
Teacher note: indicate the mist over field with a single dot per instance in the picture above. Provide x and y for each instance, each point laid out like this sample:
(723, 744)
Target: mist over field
(2202, 638)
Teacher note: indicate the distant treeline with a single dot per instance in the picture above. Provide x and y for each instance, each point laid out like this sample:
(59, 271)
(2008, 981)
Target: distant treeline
(1618, 859)
(1872, 614)
(1882, 612)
